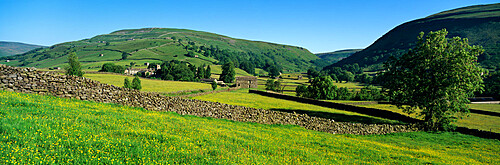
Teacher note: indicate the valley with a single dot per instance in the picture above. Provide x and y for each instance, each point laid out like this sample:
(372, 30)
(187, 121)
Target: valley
(149, 95)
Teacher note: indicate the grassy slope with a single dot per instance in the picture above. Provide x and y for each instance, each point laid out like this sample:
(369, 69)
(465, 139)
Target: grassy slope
(155, 44)
(292, 82)
(486, 107)
(477, 23)
(150, 85)
(476, 121)
(12, 48)
(333, 57)
(47, 130)
(243, 98)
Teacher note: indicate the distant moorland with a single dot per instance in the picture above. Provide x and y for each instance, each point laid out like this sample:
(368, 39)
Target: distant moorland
(13, 48)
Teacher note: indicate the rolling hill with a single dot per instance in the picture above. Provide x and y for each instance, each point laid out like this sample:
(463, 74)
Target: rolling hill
(333, 57)
(477, 23)
(164, 44)
(12, 48)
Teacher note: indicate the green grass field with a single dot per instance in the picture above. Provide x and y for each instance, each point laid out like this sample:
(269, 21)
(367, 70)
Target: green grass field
(290, 81)
(486, 107)
(217, 69)
(47, 130)
(150, 85)
(475, 121)
(243, 98)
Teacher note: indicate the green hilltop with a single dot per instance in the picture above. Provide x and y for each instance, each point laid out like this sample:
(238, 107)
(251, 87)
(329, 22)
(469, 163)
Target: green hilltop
(12, 48)
(477, 23)
(155, 45)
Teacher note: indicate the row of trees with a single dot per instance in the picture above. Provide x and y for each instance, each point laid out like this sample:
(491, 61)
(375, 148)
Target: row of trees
(323, 88)
(136, 83)
(348, 73)
(182, 71)
(111, 67)
(246, 61)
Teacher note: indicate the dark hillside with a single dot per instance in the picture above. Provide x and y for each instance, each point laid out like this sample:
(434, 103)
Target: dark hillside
(333, 57)
(477, 23)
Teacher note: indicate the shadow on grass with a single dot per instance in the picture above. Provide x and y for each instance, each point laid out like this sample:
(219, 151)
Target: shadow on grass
(341, 117)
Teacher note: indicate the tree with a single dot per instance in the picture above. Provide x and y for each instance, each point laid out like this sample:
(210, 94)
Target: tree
(214, 85)
(347, 76)
(322, 88)
(126, 84)
(200, 73)
(343, 94)
(228, 72)
(208, 72)
(274, 85)
(274, 71)
(132, 64)
(301, 90)
(125, 55)
(312, 73)
(136, 83)
(74, 67)
(110, 67)
(436, 77)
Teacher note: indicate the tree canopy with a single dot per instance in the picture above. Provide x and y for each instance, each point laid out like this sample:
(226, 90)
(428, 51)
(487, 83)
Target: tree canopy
(228, 72)
(74, 67)
(436, 78)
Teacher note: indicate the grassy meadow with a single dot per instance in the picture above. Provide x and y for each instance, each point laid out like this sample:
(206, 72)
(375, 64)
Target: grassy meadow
(243, 98)
(150, 85)
(48, 130)
(291, 81)
(475, 121)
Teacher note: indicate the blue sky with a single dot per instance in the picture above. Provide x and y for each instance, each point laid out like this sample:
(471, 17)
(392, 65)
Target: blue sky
(318, 25)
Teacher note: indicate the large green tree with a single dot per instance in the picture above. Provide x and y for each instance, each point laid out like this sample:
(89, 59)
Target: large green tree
(322, 88)
(274, 71)
(435, 78)
(136, 83)
(74, 67)
(228, 72)
(208, 72)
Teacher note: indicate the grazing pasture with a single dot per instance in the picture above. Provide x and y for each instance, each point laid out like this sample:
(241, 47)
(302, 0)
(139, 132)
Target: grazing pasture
(48, 130)
(150, 85)
(475, 121)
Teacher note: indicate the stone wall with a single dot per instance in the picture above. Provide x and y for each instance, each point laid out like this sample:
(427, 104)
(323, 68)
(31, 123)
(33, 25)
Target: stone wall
(28, 80)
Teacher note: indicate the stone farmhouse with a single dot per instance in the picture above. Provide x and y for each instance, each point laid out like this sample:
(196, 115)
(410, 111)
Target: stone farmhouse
(246, 82)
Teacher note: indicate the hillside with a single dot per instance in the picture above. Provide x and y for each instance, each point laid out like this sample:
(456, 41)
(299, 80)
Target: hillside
(163, 44)
(333, 57)
(477, 23)
(12, 48)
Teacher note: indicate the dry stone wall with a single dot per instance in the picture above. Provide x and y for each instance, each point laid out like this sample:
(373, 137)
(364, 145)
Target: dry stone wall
(29, 80)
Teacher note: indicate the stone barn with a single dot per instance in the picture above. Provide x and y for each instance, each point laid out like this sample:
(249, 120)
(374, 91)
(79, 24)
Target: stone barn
(246, 82)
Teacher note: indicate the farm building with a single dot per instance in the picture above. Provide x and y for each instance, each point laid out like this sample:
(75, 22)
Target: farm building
(130, 71)
(246, 82)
